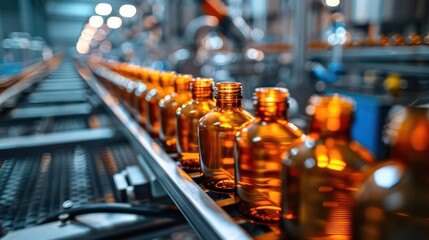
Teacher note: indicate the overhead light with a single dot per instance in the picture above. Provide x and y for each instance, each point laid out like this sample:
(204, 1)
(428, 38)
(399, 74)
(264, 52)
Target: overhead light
(103, 9)
(332, 3)
(82, 48)
(114, 22)
(88, 32)
(96, 21)
(127, 10)
(85, 38)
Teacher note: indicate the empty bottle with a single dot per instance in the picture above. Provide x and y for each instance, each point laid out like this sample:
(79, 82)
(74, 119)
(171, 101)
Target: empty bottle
(167, 110)
(139, 95)
(165, 86)
(216, 132)
(259, 148)
(187, 120)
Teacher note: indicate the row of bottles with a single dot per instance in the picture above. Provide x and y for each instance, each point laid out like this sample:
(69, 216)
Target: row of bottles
(378, 41)
(319, 185)
(233, 150)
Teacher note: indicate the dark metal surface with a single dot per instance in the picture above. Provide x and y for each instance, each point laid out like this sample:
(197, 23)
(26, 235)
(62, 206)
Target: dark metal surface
(52, 111)
(37, 182)
(55, 151)
(57, 138)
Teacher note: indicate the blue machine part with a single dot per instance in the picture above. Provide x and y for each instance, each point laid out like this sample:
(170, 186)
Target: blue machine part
(7, 69)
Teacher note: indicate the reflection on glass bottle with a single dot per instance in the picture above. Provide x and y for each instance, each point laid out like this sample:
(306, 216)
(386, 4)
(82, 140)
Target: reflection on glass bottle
(259, 147)
(139, 96)
(216, 132)
(165, 86)
(393, 201)
(129, 92)
(322, 175)
(425, 39)
(397, 40)
(413, 39)
(187, 119)
(168, 106)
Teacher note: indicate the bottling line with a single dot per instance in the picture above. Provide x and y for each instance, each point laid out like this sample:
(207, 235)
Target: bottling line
(214, 119)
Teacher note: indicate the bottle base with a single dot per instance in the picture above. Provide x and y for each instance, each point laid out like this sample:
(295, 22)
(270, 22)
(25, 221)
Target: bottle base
(169, 145)
(152, 131)
(260, 214)
(219, 185)
(190, 162)
(142, 122)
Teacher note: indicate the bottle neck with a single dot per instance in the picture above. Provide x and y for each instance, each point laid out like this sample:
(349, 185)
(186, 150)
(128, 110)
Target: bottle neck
(343, 134)
(202, 89)
(168, 90)
(202, 96)
(228, 103)
(181, 90)
(269, 111)
(228, 95)
(182, 84)
(332, 127)
(155, 83)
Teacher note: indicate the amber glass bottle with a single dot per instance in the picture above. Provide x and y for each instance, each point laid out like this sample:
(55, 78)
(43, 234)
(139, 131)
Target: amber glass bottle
(165, 86)
(139, 95)
(322, 175)
(216, 132)
(393, 202)
(413, 39)
(187, 119)
(259, 147)
(155, 83)
(425, 39)
(167, 110)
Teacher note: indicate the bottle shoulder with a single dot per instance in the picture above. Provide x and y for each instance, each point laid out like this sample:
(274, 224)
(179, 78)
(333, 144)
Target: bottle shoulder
(195, 108)
(220, 118)
(153, 93)
(180, 99)
(281, 129)
(331, 154)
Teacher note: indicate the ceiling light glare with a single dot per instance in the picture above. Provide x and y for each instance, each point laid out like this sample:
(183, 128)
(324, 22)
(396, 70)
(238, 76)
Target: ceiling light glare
(88, 32)
(103, 9)
(96, 21)
(82, 48)
(332, 3)
(127, 10)
(114, 22)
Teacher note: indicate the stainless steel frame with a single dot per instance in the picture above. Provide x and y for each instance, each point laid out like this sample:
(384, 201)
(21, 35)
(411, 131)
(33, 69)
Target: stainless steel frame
(205, 216)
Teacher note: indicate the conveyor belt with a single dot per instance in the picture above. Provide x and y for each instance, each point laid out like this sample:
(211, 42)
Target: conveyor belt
(37, 182)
